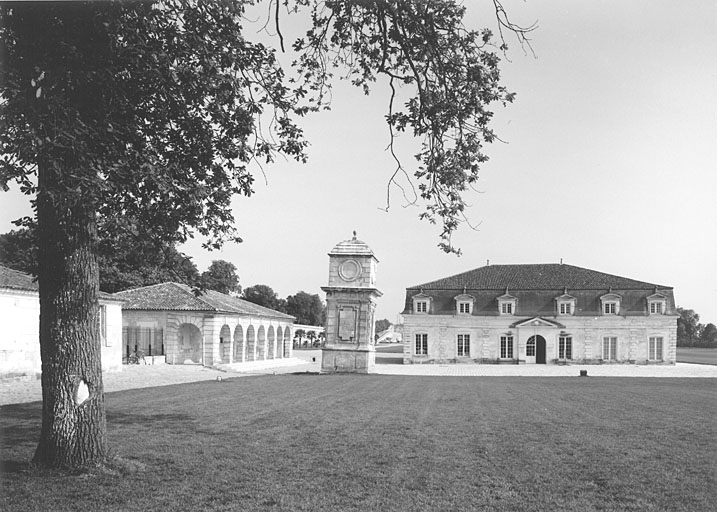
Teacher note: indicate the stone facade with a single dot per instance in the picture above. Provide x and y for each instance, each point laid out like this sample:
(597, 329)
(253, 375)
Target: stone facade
(20, 317)
(210, 329)
(519, 314)
(350, 305)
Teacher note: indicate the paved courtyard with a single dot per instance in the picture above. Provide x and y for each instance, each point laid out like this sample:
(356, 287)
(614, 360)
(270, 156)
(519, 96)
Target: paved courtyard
(144, 376)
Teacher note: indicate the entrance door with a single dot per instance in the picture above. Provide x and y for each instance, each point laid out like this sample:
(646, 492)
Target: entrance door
(537, 345)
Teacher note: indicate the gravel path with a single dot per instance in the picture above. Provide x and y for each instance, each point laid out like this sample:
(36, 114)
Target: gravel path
(144, 376)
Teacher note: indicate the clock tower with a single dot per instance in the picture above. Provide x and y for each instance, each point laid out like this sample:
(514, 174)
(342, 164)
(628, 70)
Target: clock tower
(350, 304)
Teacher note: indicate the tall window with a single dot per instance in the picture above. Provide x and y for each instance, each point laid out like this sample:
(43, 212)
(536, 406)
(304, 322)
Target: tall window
(609, 348)
(530, 348)
(464, 344)
(655, 308)
(565, 347)
(421, 306)
(506, 347)
(506, 308)
(566, 308)
(654, 352)
(609, 308)
(464, 307)
(421, 344)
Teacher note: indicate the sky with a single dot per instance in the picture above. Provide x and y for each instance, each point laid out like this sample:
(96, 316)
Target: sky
(608, 162)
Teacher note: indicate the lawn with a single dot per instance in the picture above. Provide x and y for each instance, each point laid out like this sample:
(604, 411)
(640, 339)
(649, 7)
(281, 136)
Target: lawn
(696, 355)
(369, 443)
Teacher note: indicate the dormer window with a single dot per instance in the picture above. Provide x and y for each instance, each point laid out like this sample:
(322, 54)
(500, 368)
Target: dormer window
(656, 304)
(422, 304)
(507, 304)
(565, 304)
(611, 304)
(464, 304)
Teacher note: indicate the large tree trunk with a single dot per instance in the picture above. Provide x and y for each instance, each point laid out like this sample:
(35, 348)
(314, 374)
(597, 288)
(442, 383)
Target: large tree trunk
(73, 409)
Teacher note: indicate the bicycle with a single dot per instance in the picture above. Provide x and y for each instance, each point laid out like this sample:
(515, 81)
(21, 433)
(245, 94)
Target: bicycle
(135, 357)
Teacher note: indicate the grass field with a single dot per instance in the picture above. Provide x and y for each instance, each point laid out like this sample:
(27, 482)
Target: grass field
(696, 355)
(369, 443)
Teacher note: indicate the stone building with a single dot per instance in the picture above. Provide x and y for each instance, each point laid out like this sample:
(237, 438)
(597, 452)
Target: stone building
(539, 314)
(20, 318)
(170, 321)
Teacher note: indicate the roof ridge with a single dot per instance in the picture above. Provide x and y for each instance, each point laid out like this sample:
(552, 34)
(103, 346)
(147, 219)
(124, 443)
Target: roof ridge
(145, 287)
(531, 275)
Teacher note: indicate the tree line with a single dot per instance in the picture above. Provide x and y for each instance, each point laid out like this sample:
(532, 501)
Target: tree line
(128, 261)
(149, 118)
(691, 333)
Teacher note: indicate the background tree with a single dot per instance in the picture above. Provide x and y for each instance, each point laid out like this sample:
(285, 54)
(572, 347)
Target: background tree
(688, 327)
(708, 336)
(382, 325)
(126, 261)
(264, 295)
(18, 250)
(306, 308)
(299, 336)
(311, 336)
(222, 277)
(146, 116)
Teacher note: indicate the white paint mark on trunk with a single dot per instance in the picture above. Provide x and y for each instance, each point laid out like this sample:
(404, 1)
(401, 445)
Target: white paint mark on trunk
(82, 393)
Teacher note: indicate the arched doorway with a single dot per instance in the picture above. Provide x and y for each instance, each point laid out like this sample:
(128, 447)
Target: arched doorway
(189, 345)
(536, 347)
(238, 344)
(225, 343)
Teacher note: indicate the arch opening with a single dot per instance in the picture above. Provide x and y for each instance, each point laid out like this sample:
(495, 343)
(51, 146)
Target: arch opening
(189, 345)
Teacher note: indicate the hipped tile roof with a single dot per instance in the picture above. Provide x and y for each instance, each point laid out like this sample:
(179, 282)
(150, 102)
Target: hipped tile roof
(180, 297)
(16, 280)
(541, 276)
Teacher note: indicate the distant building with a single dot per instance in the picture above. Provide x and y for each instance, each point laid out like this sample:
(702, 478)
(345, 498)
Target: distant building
(171, 321)
(390, 335)
(20, 318)
(539, 314)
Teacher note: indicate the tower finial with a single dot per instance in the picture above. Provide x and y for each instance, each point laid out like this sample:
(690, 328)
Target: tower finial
(354, 234)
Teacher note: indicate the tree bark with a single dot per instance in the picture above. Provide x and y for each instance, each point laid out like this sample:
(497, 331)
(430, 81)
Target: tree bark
(73, 409)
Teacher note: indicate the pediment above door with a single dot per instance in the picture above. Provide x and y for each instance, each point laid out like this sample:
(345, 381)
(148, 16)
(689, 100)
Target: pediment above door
(536, 322)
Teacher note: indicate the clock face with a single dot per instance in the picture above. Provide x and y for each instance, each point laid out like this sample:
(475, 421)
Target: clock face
(349, 270)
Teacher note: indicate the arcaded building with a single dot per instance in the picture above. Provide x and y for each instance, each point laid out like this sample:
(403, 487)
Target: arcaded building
(539, 314)
(171, 321)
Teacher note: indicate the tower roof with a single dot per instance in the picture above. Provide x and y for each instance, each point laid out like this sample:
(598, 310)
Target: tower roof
(352, 247)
